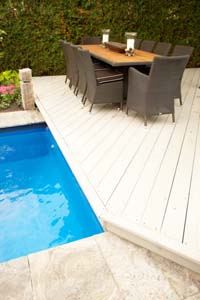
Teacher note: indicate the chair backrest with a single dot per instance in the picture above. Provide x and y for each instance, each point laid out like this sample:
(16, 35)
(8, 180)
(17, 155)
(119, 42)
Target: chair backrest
(147, 45)
(89, 73)
(164, 78)
(162, 48)
(93, 40)
(137, 43)
(73, 63)
(182, 50)
(82, 82)
(64, 45)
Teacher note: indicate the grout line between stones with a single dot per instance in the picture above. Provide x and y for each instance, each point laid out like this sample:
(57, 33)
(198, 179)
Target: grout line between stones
(101, 252)
(30, 277)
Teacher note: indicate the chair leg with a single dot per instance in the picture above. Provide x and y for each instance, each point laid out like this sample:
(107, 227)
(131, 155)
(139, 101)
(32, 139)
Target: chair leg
(91, 107)
(180, 99)
(145, 120)
(66, 79)
(84, 100)
(76, 88)
(121, 105)
(127, 110)
(70, 84)
(173, 117)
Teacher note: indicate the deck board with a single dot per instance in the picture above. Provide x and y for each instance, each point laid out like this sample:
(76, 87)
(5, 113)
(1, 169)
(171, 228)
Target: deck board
(148, 176)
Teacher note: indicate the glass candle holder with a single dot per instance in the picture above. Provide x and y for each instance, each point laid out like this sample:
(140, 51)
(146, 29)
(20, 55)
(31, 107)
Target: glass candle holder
(130, 43)
(105, 36)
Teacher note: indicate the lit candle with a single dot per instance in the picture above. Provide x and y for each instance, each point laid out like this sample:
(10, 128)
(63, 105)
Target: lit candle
(129, 43)
(105, 38)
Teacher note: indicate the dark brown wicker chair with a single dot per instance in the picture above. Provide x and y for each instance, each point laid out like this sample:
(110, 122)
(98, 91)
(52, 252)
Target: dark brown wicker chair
(64, 45)
(182, 50)
(153, 94)
(80, 74)
(177, 51)
(93, 40)
(137, 43)
(73, 65)
(147, 45)
(162, 48)
(102, 86)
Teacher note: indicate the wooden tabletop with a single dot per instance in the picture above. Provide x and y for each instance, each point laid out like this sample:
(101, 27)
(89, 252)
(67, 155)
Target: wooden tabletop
(116, 59)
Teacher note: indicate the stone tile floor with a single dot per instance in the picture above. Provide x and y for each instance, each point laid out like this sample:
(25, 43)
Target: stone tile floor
(103, 267)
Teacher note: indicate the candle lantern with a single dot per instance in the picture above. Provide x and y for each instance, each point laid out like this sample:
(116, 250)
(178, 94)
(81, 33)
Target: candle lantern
(130, 42)
(105, 36)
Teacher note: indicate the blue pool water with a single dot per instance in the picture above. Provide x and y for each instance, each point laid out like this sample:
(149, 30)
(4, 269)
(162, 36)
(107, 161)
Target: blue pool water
(41, 202)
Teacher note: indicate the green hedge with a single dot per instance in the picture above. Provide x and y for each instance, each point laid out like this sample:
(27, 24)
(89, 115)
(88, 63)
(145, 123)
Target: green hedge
(33, 28)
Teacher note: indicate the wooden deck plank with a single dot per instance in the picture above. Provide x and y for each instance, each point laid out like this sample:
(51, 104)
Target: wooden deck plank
(179, 194)
(141, 190)
(103, 133)
(158, 199)
(192, 225)
(103, 149)
(123, 191)
(117, 171)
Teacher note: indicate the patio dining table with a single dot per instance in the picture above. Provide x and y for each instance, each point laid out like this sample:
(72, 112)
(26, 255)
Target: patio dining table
(141, 60)
(116, 59)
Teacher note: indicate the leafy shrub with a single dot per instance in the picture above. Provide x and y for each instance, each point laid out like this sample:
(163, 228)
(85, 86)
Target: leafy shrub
(9, 77)
(33, 28)
(2, 34)
(9, 89)
(8, 95)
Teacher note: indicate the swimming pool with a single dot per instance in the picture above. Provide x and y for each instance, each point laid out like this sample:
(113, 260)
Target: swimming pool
(41, 202)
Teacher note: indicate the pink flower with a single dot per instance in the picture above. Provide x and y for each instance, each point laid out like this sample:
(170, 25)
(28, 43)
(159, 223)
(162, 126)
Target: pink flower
(3, 89)
(7, 89)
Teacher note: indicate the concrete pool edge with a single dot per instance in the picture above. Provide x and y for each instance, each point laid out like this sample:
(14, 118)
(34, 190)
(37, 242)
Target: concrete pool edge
(20, 118)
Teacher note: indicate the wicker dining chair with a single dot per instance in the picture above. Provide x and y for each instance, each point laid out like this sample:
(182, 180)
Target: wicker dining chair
(147, 45)
(177, 51)
(162, 48)
(64, 46)
(137, 43)
(73, 66)
(182, 50)
(153, 94)
(102, 86)
(93, 40)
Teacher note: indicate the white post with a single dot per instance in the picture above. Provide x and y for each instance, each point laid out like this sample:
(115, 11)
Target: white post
(26, 85)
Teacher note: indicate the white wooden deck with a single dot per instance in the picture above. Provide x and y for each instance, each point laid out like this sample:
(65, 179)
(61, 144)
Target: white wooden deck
(145, 180)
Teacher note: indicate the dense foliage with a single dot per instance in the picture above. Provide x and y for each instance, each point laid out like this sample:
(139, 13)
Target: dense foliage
(9, 89)
(32, 28)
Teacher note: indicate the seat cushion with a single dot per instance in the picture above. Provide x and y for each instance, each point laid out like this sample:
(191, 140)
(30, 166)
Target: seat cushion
(108, 75)
(99, 66)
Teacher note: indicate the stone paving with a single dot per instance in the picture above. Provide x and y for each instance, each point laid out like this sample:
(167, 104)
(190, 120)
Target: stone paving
(19, 118)
(103, 267)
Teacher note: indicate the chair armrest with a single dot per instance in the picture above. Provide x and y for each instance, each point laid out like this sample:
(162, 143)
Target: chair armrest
(137, 89)
(138, 78)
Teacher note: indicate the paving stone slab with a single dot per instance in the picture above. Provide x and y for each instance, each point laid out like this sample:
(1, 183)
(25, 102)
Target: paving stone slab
(15, 280)
(134, 270)
(74, 271)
